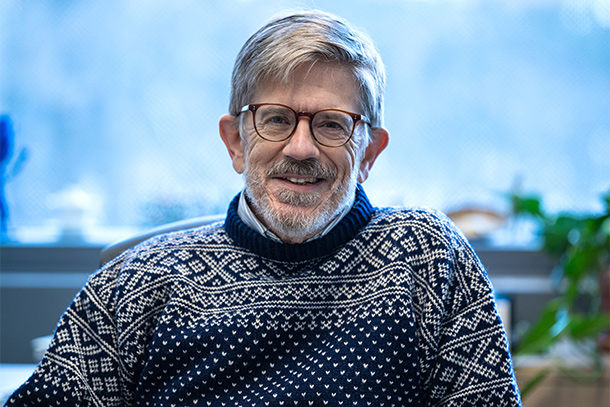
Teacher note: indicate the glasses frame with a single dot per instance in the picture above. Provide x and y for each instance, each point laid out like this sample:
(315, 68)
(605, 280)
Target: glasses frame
(355, 117)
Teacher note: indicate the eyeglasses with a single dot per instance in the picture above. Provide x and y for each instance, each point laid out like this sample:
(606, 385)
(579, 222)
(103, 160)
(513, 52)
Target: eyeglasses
(330, 127)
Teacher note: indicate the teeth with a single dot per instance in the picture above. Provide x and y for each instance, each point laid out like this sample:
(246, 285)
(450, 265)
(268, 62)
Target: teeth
(302, 181)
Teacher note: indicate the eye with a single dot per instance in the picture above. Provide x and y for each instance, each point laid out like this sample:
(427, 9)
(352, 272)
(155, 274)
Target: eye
(330, 125)
(332, 122)
(277, 120)
(275, 117)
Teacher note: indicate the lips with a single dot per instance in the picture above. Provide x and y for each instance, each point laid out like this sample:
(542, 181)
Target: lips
(302, 181)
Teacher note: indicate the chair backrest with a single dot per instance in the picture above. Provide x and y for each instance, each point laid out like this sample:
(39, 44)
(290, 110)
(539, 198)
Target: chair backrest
(114, 249)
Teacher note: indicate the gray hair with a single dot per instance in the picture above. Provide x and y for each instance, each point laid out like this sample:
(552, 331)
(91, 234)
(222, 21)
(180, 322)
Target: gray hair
(288, 42)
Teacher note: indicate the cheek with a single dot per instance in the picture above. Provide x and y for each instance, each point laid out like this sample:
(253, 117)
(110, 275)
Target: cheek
(259, 156)
(352, 156)
(345, 165)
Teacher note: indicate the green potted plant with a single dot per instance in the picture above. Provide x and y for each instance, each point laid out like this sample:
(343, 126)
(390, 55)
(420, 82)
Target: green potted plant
(579, 314)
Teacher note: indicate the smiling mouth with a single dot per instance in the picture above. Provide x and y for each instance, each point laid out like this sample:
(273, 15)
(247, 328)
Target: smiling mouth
(301, 181)
(301, 173)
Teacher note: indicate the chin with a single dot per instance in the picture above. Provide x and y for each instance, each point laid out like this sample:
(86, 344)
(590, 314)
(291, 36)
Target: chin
(294, 222)
(296, 216)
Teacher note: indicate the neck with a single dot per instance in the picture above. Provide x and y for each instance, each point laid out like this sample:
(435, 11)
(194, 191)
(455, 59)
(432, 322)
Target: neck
(247, 213)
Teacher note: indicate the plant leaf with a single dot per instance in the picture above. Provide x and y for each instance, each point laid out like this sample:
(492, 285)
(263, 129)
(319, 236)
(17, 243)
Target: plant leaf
(586, 326)
(527, 205)
(547, 329)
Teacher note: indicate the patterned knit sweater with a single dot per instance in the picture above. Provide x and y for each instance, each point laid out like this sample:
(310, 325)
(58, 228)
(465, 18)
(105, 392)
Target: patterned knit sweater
(391, 308)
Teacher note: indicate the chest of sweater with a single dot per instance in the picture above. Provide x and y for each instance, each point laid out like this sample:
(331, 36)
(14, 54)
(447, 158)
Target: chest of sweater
(306, 340)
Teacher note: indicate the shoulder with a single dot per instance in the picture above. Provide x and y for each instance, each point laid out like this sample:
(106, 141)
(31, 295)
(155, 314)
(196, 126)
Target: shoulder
(394, 213)
(198, 238)
(160, 256)
(429, 239)
(440, 253)
(422, 221)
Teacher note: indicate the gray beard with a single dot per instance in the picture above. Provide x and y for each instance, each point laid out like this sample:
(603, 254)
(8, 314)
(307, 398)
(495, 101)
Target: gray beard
(295, 224)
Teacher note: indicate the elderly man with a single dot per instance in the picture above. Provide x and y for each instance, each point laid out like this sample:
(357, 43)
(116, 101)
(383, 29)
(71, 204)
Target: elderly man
(306, 294)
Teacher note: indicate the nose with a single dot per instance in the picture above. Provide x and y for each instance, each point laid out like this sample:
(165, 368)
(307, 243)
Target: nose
(301, 145)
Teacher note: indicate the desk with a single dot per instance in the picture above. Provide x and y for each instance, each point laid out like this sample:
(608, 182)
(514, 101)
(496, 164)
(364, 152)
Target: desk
(559, 390)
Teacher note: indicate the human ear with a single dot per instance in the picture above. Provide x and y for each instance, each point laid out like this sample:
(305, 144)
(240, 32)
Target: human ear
(379, 141)
(229, 132)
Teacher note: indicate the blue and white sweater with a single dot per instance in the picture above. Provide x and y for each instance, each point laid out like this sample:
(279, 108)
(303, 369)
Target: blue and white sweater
(391, 308)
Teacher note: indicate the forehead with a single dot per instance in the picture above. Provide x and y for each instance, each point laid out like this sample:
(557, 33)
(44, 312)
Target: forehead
(313, 87)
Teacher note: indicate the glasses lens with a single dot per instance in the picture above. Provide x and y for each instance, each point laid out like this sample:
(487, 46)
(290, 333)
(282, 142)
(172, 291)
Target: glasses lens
(332, 127)
(274, 122)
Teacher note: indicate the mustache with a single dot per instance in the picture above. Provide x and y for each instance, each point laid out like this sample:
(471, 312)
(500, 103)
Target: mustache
(310, 167)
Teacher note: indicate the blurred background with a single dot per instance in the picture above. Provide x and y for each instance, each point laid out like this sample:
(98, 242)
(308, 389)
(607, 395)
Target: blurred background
(115, 105)
(109, 114)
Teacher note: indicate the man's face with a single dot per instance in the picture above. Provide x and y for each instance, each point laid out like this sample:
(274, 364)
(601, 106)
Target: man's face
(298, 186)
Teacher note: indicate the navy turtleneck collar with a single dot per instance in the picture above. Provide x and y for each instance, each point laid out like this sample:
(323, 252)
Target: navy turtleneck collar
(346, 229)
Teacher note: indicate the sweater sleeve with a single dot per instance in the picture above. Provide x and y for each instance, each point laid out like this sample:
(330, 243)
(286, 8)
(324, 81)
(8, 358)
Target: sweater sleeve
(468, 359)
(81, 365)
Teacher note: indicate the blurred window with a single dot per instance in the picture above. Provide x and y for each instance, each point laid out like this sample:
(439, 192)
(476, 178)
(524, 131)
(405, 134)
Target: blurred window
(115, 106)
